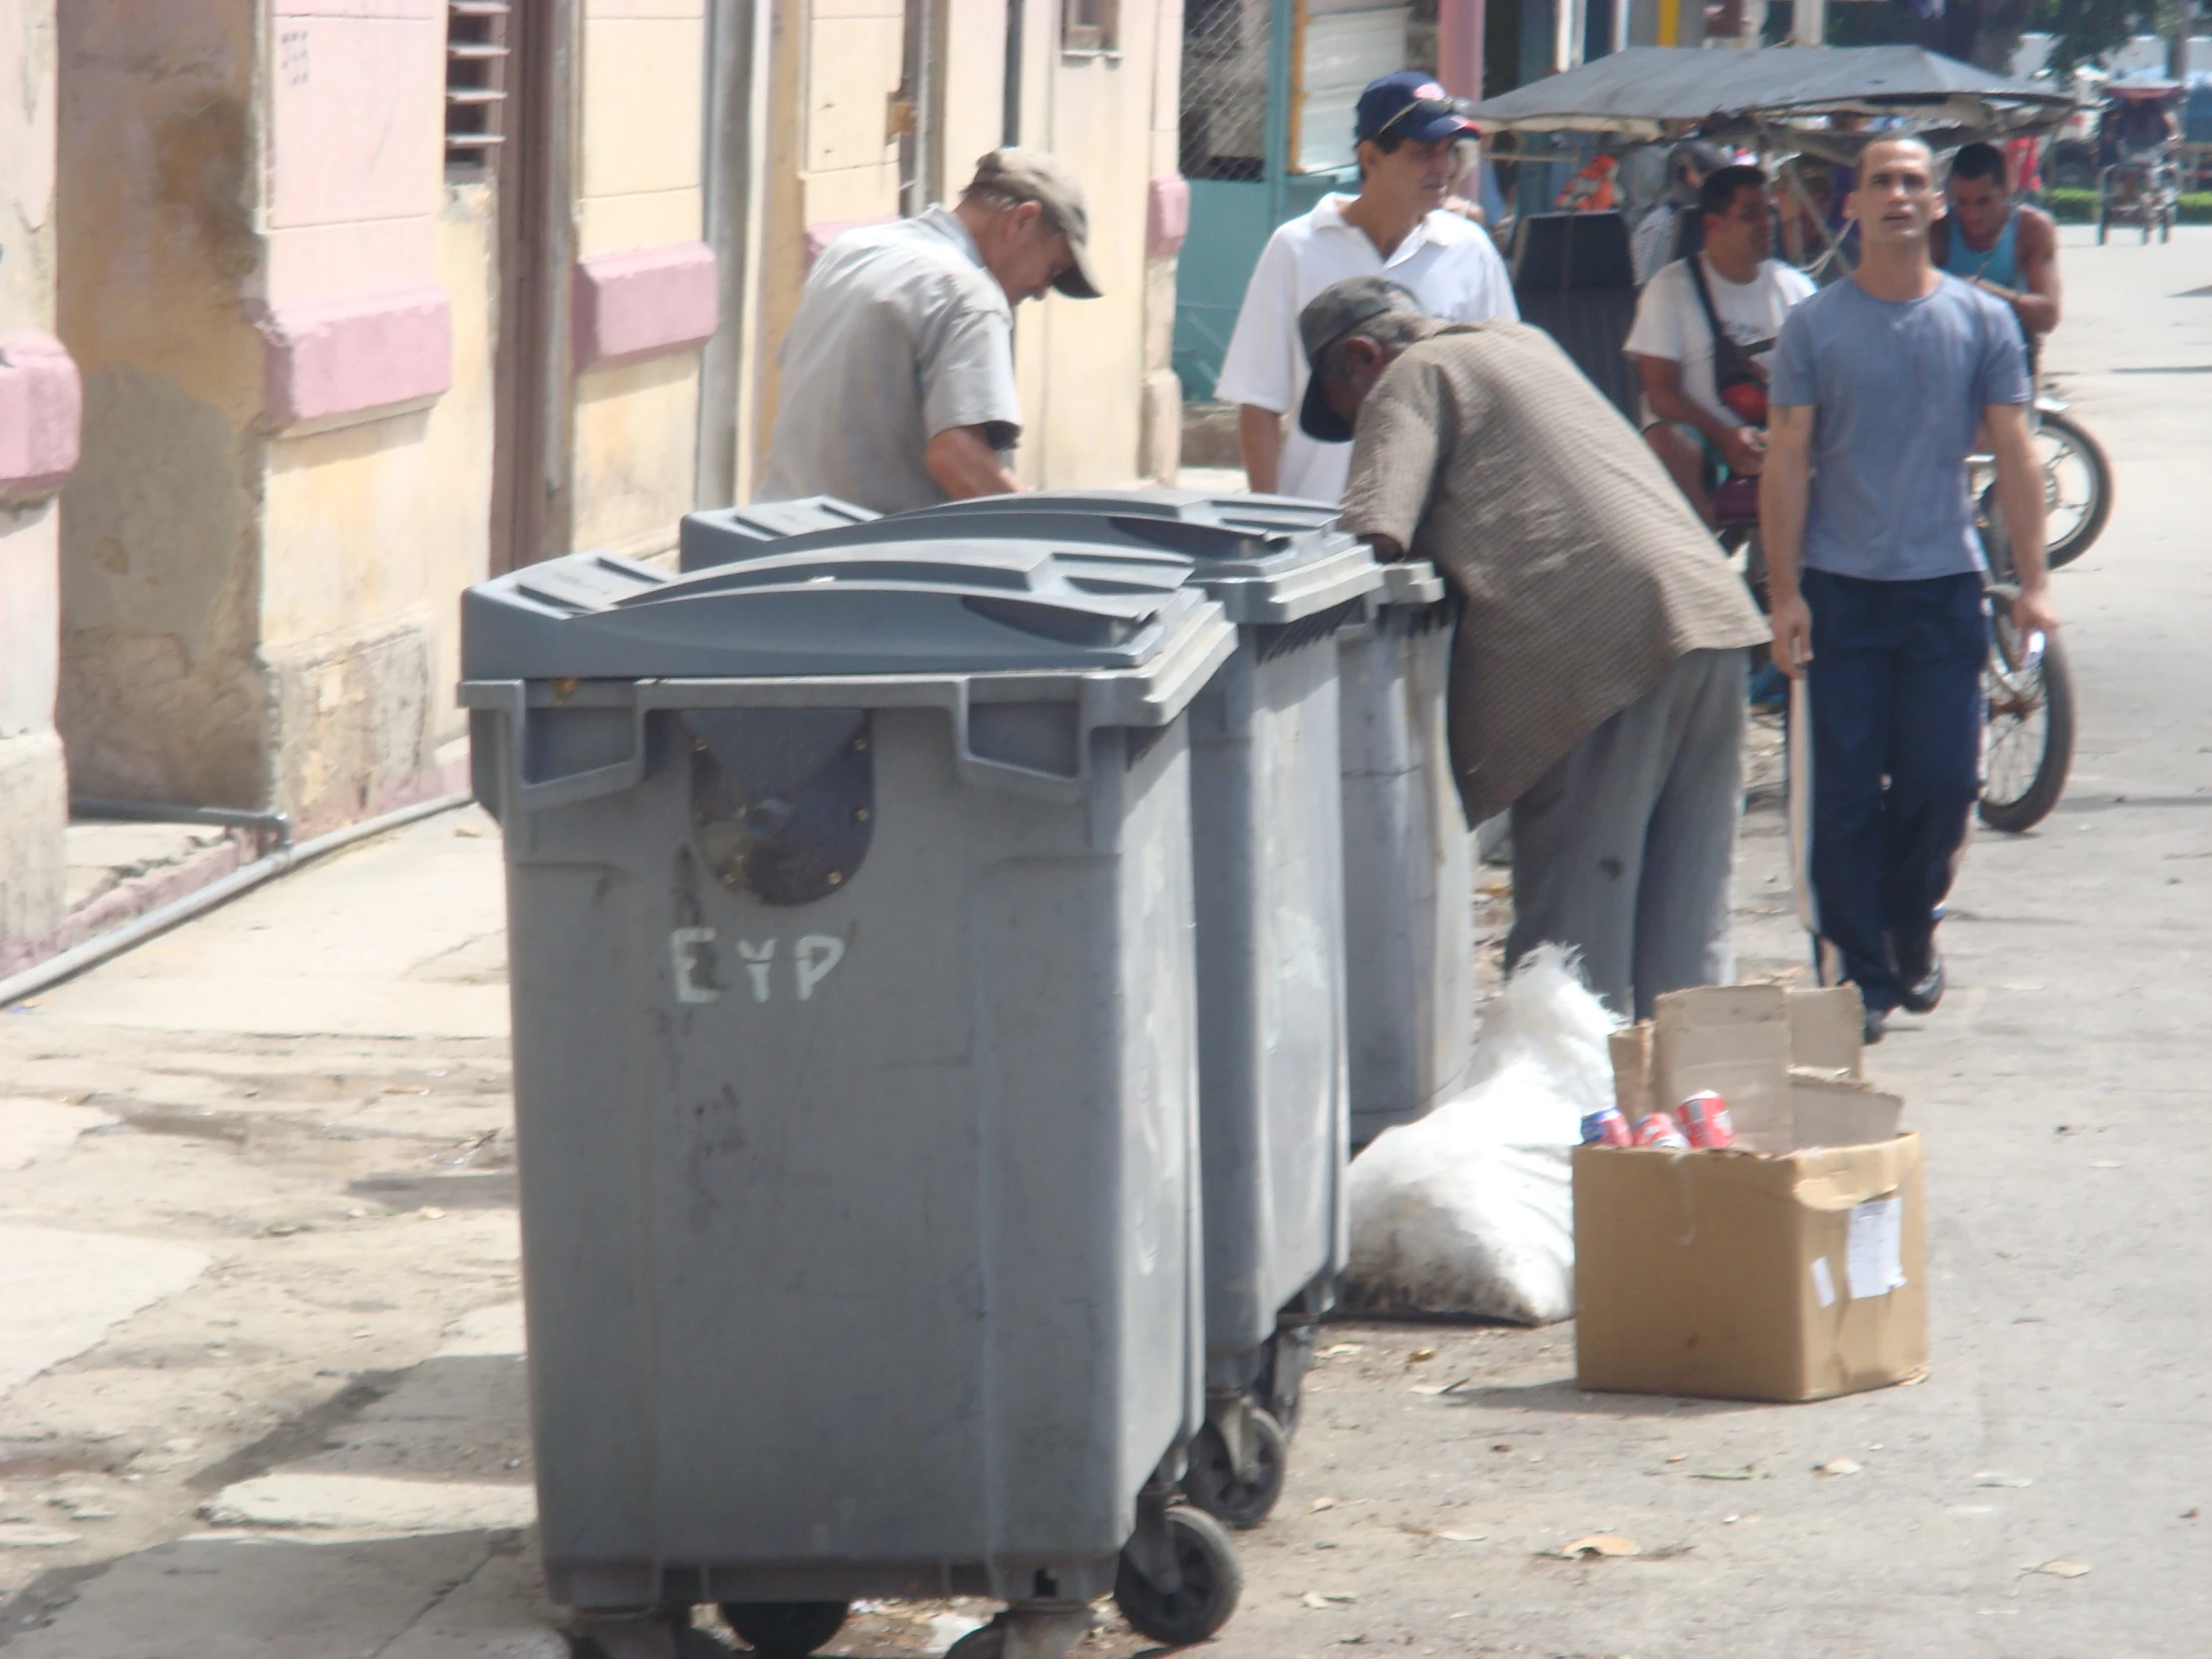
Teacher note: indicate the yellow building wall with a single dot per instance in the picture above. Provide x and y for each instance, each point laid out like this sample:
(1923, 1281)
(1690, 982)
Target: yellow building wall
(1082, 363)
(1085, 367)
(640, 122)
(374, 530)
(370, 529)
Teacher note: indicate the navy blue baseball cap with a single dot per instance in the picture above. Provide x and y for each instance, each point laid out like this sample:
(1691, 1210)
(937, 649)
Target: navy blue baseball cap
(1413, 103)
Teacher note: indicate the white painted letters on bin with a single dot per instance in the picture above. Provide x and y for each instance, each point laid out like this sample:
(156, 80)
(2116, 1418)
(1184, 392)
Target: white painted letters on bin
(681, 944)
(813, 961)
(759, 959)
(817, 955)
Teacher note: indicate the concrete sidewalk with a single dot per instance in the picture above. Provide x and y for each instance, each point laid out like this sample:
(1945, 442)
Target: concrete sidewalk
(262, 1390)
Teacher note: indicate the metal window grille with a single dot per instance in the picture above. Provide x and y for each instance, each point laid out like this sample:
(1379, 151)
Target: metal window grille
(1225, 88)
(475, 82)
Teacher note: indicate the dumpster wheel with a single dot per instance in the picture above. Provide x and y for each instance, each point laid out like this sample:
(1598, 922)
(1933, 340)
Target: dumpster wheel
(1197, 1608)
(786, 1629)
(1213, 1483)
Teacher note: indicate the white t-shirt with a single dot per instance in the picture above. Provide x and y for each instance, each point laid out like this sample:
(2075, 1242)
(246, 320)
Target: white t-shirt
(1653, 245)
(1670, 323)
(1449, 264)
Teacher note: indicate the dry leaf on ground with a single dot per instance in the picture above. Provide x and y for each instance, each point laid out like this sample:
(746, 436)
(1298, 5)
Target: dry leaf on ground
(2060, 1569)
(1600, 1544)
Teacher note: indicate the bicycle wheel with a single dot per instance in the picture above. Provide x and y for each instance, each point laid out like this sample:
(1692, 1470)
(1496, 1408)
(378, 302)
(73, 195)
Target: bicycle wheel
(2029, 725)
(2078, 488)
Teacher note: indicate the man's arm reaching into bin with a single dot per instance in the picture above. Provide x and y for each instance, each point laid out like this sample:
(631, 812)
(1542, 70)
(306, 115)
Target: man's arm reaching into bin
(965, 466)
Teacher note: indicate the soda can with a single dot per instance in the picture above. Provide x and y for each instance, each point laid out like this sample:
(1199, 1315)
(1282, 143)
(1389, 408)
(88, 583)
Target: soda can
(1705, 1122)
(1659, 1130)
(1606, 1128)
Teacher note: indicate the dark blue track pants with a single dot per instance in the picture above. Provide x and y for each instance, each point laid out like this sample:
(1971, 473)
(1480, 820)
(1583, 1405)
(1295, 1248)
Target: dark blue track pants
(1896, 690)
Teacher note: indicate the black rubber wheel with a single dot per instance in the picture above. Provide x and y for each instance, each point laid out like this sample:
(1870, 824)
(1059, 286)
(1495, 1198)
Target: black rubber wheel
(988, 1642)
(786, 1629)
(1211, 1583)
(2056, 437)
(2027, 743)
(1211, 1480)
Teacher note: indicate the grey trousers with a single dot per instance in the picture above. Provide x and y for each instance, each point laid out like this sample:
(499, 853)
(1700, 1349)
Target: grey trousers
(1625, 850)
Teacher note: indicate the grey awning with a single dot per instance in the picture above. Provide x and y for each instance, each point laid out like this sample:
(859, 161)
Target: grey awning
(1645, 91)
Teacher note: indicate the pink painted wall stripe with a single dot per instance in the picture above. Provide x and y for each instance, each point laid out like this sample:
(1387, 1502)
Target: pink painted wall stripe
(42, 405)
(348, 356)
(645, 304)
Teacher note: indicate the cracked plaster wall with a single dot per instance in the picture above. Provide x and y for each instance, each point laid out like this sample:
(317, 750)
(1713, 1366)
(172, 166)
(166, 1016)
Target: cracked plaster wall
(254, 617)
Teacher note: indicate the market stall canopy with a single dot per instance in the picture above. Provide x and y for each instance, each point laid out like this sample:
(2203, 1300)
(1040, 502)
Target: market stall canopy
(1651, 92)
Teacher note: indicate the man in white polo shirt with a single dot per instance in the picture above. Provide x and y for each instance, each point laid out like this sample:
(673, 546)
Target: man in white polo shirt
(1413, 148)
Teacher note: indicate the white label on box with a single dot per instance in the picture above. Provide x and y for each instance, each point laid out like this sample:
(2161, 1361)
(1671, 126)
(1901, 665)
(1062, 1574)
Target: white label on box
(1874, 1250)
(1824, 1282)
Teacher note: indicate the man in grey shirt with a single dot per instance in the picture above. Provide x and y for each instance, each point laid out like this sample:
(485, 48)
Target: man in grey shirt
(1879, 386)
(897, 383)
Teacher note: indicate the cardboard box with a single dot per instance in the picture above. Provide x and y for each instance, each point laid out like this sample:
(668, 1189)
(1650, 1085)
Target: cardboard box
(1794, 1269)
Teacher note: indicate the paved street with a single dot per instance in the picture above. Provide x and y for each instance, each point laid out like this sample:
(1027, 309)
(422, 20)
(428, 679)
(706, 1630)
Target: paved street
(261, 1391)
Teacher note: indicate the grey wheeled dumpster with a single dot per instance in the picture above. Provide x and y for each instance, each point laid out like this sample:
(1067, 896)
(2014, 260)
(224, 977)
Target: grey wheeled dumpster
(1409, 861)
(1409, 857)
(850, 935)
(1268, 851)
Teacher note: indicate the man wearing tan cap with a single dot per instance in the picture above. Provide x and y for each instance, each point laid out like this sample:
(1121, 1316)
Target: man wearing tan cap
(899, 372)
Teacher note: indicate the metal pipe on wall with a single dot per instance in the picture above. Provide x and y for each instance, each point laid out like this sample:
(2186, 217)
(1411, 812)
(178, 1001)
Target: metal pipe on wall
(1460, 26)
(1009, 125)
(1283, 16)
(728, 166)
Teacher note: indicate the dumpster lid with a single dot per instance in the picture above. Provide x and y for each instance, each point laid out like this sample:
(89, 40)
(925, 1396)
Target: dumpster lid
(1267, 558)
(887, 607)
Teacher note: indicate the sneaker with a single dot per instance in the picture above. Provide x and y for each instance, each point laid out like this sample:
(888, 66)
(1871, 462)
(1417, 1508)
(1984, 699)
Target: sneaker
(1877, 1026)
(1922, 973)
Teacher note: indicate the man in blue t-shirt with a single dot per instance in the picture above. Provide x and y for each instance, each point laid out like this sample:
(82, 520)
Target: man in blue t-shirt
(1880, 384)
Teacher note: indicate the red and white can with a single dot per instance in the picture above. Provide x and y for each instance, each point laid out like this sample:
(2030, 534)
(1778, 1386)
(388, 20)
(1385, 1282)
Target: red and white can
(1705, 1123)
(1659, 1130)
(1606, 1127)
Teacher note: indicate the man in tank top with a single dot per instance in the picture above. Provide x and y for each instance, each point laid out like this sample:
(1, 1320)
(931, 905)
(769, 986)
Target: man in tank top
(2007, 250)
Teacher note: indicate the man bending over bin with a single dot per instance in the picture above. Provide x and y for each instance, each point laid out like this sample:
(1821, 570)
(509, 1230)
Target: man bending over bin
(1597, 678)
(899, 372)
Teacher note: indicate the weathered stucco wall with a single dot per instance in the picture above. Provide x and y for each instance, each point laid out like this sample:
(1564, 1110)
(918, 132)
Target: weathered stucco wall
(162, 691)
(638, 189)
(373, 531)
(32, 784)
(376, 509)
(1082, 364)
(283, 315)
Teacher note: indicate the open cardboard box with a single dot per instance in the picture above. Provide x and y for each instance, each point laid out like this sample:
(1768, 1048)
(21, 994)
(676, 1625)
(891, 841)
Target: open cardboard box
(1794, 1268)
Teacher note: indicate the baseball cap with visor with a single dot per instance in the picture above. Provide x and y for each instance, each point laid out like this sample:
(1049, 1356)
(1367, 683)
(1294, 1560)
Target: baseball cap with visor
(1412, 105)
(1021, 175)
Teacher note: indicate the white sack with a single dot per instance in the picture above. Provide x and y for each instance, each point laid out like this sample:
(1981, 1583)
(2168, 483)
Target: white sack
(1471, 1210)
